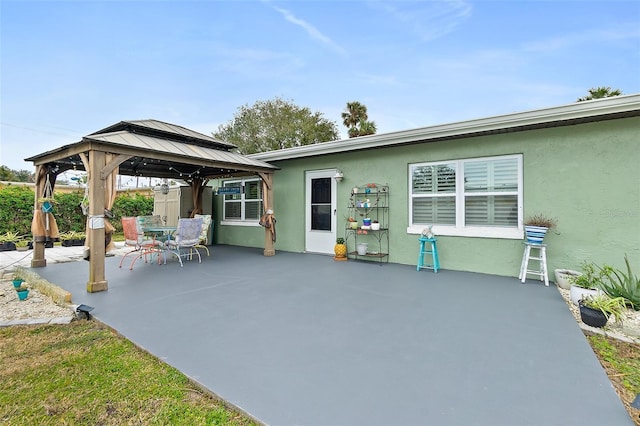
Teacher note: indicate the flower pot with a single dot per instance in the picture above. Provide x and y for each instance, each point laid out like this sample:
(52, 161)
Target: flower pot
(7, 246)
(22, 295)
(592, 317)
(375, 226)
(564, 277)
(535, 234)
(362, 248)
(366, 221)
(353, 225)
(17, 283)
(576, 293)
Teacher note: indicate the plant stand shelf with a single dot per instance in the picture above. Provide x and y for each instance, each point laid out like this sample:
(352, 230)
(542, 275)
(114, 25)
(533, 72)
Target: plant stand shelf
(369, 201)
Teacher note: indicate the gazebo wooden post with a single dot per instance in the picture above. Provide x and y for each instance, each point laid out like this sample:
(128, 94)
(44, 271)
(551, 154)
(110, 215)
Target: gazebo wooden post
(97, 187)
(267, 180)
(38, 260)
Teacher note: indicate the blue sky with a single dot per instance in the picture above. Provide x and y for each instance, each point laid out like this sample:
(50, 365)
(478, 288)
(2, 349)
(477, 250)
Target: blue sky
(71, 68)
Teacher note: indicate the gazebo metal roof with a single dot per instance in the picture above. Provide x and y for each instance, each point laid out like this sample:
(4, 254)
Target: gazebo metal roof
(157, 149)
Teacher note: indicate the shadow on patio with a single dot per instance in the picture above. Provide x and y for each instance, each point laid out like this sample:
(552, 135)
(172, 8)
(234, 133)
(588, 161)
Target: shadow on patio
(301, 339)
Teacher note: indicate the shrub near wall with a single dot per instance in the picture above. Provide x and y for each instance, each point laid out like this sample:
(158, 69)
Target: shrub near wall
(16, 209)
(130, 205)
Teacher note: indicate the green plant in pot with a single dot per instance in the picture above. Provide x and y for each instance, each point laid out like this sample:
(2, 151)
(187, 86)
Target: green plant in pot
(18, 277)
(8, 240)
(22, 244)
(340, 249)
(596, 310)
(589, 283)
(623, 284)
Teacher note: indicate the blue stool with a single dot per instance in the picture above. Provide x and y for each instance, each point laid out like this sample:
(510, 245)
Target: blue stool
(433, 252)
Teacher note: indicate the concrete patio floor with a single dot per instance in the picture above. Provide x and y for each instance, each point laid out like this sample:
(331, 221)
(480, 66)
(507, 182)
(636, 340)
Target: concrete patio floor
(299, 339)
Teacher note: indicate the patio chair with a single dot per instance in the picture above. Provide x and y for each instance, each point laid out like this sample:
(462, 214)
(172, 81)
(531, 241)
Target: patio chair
(206, 224)
(185, 239)
(134, 237)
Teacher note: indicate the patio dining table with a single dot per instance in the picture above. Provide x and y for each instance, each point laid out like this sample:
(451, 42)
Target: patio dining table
(160, 233)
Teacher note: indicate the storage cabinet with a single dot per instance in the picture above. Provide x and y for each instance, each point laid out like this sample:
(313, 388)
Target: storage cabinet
(369, 238)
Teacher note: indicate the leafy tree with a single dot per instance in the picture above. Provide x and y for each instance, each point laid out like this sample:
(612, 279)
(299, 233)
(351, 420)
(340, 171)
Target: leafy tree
(355, 119)
(10, 175)
(600, 92)
(275, 124)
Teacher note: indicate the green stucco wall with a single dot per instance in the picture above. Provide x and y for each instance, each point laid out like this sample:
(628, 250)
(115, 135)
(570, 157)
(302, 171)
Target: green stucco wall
(587, 176)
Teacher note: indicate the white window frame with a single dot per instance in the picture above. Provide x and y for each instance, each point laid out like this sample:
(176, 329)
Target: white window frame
(242, 221)
(459, 229)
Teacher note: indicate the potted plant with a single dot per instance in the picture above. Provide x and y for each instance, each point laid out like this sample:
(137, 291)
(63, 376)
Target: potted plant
(340, 250)
(18, 277)
(596, 310)
(23, 292)
(352, 223)
(8, 241)
(589, 283)
(536, 227)
(72, 238)
(564, 277)
(22, 244)
(375, 225)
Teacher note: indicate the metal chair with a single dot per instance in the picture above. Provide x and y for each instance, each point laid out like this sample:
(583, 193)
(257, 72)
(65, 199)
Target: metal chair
(206, 224)
(134, 237)
(186, 238)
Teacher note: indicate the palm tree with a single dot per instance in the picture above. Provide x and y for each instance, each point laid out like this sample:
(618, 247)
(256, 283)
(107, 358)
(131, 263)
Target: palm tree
(600, 92)
(355, 113)
(367, 128)
(355, 119)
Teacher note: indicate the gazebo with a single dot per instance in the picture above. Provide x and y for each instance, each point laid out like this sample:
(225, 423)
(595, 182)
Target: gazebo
(149, 148)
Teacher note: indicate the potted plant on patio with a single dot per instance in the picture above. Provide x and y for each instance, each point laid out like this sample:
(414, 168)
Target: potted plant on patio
(564, 277)
(72, 238)
(536, 227)
(589, 283)
(8, 241)
(340, 250)
(596, 310)
(22, 244)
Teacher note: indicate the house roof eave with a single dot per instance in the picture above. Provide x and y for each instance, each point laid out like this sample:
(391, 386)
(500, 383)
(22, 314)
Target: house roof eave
(587, 111)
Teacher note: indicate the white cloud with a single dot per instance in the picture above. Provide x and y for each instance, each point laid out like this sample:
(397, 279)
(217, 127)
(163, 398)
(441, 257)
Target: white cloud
(431, 20)
(313, 32)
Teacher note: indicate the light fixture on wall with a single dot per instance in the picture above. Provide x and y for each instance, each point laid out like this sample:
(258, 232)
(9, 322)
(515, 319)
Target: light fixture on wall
(338, 176)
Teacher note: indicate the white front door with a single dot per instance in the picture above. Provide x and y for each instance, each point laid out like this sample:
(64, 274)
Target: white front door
(320, 207)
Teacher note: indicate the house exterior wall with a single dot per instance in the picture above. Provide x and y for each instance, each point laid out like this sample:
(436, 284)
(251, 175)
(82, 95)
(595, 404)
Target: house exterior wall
(587, 176)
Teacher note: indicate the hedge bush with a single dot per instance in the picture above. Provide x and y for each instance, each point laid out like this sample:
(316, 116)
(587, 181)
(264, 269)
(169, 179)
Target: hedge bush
(16, 209)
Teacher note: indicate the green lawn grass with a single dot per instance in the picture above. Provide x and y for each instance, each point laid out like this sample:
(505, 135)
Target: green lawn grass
(84, 373)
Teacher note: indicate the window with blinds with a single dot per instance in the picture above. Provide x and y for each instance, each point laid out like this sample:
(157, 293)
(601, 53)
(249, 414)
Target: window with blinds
(481, 192)
(247, 204)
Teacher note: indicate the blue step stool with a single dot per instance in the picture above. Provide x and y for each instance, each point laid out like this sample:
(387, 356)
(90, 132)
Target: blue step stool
(431, 249)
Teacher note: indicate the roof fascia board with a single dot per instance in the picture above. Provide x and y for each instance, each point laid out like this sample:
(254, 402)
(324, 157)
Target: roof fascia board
(173, 157)
(578, 110)
(58, 154)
